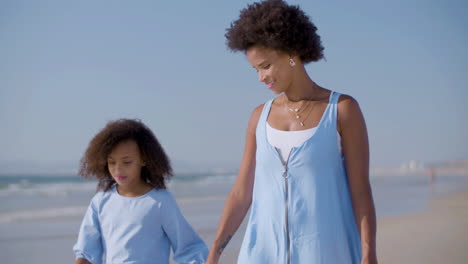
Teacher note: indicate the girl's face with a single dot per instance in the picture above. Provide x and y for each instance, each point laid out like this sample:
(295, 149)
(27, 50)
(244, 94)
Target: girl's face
(124, 164)
(273, 67)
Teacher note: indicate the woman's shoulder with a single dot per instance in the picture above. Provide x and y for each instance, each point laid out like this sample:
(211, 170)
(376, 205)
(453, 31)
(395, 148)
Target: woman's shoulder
(347, 104)
(254, 117)
(349, 112)
(345, 99)
(257, 111)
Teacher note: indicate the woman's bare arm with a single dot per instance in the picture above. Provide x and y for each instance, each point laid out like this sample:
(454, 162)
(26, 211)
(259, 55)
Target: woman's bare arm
(355, 147)
(239, 199)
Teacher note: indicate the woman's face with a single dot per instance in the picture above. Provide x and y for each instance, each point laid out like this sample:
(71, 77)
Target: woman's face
(273, 67)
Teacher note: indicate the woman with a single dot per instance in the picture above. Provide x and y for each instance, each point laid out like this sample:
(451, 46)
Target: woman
(305, 169)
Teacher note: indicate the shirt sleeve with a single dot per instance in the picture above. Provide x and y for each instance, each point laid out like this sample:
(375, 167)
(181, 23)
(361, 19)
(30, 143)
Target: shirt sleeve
(187, 246)
(89, 243)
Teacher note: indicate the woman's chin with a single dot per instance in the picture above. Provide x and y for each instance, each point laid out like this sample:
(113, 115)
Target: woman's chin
(276, 91)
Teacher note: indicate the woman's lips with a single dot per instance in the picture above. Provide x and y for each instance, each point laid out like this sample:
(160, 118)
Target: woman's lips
(121, 178)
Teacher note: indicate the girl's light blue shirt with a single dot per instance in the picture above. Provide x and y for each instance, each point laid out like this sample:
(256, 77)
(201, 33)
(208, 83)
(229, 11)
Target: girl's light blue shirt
(301, 212)
(118, 229)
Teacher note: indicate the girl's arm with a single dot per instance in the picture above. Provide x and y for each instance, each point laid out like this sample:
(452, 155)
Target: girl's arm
(186, 244)
(352, 128)
(88, 248)
(240, 197)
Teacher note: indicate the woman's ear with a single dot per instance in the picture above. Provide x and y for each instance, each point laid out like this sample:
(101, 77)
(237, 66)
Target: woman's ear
(295, 58)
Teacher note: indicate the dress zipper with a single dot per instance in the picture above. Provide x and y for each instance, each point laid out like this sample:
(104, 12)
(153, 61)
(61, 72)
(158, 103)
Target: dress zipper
(286, 186)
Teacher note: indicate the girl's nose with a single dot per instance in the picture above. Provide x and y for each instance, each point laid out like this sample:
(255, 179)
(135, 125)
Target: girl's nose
(118, 168)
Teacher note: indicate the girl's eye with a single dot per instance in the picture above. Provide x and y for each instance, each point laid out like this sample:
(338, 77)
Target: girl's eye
(267, 67)
(111, 163)
(127, 162)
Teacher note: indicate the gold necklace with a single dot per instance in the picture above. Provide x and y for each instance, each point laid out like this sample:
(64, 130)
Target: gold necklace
(297, 111)
(308, 113)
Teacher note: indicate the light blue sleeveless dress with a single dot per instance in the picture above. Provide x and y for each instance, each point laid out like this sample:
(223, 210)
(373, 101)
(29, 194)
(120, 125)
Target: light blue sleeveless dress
(301, 210)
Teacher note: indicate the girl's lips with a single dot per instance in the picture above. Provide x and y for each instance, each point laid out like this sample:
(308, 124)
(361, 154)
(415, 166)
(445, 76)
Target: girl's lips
(269, 85)
(121, 178)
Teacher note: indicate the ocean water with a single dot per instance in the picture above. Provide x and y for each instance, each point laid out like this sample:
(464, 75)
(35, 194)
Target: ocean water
(40, 197)
(399, 195)
(27, 198)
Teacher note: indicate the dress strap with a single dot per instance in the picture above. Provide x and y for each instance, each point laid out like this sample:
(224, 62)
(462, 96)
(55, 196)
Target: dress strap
(263, 118)
(331, 112)
(334, 96)
(265, 111)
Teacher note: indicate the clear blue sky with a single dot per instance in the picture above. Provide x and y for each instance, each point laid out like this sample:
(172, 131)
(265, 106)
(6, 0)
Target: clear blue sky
(68, 67)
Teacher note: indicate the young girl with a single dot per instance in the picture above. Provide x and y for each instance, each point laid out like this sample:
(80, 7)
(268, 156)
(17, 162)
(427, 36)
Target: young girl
(132, 218)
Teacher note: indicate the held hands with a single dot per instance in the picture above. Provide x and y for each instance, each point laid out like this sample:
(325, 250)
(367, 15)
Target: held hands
(213, 257)
(216, 250)
(82, 261)
(210, 261)
(369, 259)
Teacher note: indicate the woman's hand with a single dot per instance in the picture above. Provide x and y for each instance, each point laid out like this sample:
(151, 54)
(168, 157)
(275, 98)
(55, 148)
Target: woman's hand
(82, 261)
(212, 258)
(369, 259)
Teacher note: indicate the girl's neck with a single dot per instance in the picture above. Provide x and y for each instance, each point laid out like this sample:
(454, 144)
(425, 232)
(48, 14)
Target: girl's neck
(134, 190)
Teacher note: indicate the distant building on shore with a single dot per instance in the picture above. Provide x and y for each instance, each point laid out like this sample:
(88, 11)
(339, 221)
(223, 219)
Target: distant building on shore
(413, 165)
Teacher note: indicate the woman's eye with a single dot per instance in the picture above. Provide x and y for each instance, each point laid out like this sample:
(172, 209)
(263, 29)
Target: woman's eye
(127, 162)
(267, 67)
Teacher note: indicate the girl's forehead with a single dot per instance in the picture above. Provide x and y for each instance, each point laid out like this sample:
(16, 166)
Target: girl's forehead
(124, 148)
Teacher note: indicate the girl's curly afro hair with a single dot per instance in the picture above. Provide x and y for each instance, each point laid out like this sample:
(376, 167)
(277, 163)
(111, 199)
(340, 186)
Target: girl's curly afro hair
(94, 162)
(275, 24)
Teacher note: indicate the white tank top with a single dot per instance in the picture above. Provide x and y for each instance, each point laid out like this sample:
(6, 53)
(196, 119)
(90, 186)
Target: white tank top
(284, 141)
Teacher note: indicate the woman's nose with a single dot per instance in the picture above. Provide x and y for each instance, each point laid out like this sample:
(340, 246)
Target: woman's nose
(261, 76)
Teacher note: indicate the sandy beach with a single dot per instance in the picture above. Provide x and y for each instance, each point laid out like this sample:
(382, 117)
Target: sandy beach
(437, 235)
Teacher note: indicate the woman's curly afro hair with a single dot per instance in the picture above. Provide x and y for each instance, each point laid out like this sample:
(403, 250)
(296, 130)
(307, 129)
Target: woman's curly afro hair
(275, 24)
(94, 162)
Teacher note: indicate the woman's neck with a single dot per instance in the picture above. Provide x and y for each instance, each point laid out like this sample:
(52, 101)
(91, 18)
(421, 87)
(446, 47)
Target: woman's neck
(303, 88)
